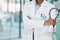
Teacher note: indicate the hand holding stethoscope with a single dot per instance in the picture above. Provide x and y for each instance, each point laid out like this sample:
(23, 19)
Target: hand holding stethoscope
(57, 14)
(51, 21)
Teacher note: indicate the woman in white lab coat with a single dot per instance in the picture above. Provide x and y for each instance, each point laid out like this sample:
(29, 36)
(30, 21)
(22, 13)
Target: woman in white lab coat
(36, 16)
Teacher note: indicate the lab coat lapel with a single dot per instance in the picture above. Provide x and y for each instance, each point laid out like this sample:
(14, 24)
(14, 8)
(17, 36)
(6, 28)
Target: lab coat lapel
(43, 5)
(32, 9)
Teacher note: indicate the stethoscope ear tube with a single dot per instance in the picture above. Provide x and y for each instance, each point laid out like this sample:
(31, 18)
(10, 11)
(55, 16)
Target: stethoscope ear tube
(33, 35)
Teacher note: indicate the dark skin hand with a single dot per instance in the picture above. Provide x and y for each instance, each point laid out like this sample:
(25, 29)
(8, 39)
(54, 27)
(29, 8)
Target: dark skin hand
(50, 22)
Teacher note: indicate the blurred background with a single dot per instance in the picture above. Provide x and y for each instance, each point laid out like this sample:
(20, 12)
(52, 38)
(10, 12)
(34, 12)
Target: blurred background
(11, 25)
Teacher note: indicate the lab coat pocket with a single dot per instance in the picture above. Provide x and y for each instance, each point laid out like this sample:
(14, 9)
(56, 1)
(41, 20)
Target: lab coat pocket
(50, 29)
(27, 32)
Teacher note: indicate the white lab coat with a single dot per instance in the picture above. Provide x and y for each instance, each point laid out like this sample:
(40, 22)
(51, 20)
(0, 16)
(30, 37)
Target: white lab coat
(41, 32)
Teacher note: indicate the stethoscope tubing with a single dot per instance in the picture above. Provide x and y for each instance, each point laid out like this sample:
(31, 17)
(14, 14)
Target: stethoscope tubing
(50, 14)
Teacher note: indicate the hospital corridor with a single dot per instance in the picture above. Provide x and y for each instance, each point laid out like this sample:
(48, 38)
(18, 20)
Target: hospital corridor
(11, 21)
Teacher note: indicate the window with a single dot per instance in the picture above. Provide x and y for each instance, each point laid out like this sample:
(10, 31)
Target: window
(10, 6)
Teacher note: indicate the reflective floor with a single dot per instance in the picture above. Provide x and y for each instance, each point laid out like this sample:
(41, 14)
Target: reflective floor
(8, 27)
(9, 32)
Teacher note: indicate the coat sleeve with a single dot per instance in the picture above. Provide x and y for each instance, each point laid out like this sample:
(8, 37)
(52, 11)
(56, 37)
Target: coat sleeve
(27, 22)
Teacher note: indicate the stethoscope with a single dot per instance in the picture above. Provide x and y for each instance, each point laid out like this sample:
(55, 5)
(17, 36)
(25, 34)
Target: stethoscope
(57, 14)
